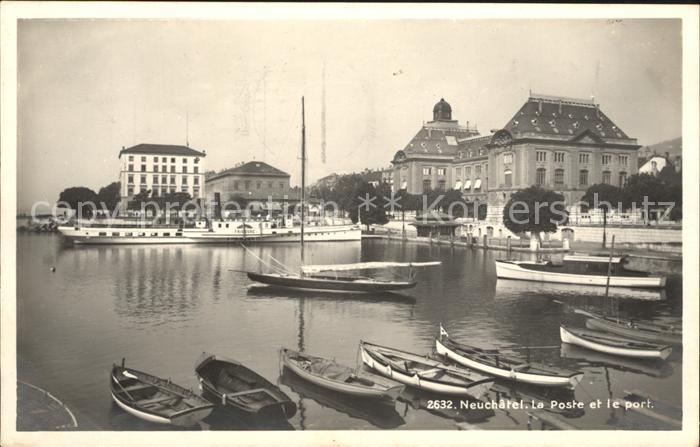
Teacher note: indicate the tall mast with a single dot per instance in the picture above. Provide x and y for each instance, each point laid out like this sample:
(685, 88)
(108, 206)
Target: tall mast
(303, 181)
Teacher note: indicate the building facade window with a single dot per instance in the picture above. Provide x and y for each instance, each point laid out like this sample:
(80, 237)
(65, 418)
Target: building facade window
(130, 179)
(540, 176)
(130, 191)
(172, 179)
(269, 185)
(235, 185)
(131, 158)
(247, 185)
(468, 171)
(172, 160)
(155, 159)
(508, 178)
(584, 157)
(258, 185)
(541, 156)
(583, 177)
(622, 159)
(623, 178)
(184, 179)
(606, 159)
(559, 157)
(184, 188)
(427, 171)
(558, 176)
(143, 168)
(184, 169)
(458, 172)
(427, 185)
(131, 168)
(172, 168)
(441, 185)
(508, 158)
(143, 180)
(184, 160)
(440, 171)
(196, 169)
(164, 179)
(477, 170)
(155, 168)
(196, 180)
(143, 159)
(155, 179)
(606, 177)
(281, 185)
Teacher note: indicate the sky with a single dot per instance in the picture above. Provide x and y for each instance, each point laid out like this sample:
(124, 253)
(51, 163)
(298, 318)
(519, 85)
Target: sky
(233, 88)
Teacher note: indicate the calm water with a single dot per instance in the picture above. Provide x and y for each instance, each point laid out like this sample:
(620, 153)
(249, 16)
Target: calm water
(161, 306)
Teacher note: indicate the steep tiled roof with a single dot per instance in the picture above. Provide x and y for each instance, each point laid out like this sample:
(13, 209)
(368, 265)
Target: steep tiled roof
(561, 117)
(161, 149)
(252, 168)
(434, 140)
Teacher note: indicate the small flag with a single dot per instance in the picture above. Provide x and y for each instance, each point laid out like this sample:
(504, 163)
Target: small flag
(443, 332)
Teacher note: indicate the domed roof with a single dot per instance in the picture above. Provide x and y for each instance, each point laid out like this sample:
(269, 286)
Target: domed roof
(442, 111)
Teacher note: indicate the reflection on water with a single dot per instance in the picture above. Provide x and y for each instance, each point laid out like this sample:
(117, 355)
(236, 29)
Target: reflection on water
(161, 306)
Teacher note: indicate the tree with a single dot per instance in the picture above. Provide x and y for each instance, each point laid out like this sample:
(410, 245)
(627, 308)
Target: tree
(370, 212)
(604, 197)
(536, 210)
(647, 192)
(138, 200)
(82, 200)
(109, 196)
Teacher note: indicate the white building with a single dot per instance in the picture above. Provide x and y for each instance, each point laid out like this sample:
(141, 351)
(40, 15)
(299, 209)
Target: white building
(162, 169)
(654, 165)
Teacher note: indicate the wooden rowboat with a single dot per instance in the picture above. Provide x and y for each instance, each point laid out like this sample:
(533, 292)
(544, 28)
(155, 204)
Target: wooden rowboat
(423, 372)
(507, 367)
(639, 330)
(336, 377)
(237, 387)
(610, 344)
(156, 400)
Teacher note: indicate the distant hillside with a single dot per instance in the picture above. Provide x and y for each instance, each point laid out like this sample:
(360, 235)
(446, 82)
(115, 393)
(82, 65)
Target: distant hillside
(673, 147)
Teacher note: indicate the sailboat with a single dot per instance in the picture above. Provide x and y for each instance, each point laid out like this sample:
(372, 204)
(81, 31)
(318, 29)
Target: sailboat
(325, 277)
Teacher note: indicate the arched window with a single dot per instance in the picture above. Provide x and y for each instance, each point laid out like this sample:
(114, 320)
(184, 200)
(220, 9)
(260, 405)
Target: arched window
(623, 179)
(508, 178)
(583, 177)
(541, 176)
(558, 176)
(606, 177)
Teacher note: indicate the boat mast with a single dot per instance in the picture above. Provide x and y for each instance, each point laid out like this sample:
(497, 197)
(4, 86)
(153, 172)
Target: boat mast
(303, 182)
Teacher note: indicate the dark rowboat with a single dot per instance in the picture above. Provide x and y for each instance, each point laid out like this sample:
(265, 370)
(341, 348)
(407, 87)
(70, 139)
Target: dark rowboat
(611, 344)
(347, 284)
(508, 367)
(339, 378)
(157, 400)
(237, 387)
(424, 373)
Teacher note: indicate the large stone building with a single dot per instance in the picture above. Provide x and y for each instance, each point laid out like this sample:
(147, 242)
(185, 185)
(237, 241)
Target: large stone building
(559, 143)
(162, 169)
(254, 181)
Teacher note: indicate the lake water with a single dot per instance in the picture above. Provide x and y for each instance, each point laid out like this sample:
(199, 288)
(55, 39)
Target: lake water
(161, 306)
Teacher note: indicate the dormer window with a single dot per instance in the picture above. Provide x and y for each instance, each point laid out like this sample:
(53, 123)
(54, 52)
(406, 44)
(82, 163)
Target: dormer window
(553, 123)
(576, 124)
(599, 126)
(571, 116)
(515, 123)
(585, 117)
(534, 121)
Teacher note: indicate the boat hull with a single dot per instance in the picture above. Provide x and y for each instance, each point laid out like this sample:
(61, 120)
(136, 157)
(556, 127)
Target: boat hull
(329, 285)
(662, 352)
(513, 270)
(350, 389)
(535, 379)
(633, 332)
(169, 235)
(475, 390)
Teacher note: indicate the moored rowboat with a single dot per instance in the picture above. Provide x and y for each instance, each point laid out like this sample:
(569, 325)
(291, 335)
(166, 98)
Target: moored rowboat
(609, 344)
(507, 367)
(235, 386)
(424, 373)
(583, 270)
(637, 330)
(336, 377)
(156, 400)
